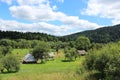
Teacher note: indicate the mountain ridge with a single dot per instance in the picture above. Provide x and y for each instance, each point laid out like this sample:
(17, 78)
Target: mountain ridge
(100, 35)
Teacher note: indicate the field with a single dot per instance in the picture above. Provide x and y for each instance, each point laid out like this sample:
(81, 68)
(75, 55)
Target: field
(51, 70)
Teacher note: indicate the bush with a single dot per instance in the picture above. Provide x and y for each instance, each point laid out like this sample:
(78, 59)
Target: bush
(105, 63)
(70, 53)
(112, 69)
(4, 50)
(10, 63)
(1, 67)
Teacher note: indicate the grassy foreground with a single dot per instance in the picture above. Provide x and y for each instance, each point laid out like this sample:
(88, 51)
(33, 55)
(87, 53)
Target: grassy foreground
(51, 70)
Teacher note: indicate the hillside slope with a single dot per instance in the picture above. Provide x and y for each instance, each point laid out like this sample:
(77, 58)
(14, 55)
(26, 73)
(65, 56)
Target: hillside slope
(101, 35)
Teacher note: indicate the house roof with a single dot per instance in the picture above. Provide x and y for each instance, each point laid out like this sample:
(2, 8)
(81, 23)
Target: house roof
(51, 54)
(82, 52)
(29, 58)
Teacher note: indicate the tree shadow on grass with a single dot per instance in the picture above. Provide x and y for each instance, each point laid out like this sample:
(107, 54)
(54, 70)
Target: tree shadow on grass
(5, 72)
(67, 60)
(34, 63)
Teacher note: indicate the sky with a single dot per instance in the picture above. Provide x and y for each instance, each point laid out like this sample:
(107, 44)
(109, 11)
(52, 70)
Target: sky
(58, 17)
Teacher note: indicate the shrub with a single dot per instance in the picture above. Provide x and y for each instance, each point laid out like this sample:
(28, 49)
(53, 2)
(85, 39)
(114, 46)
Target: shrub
(112, 69)
(70, 53)
(4, 50)
(105, 63)
(1, 65)
(10, 63)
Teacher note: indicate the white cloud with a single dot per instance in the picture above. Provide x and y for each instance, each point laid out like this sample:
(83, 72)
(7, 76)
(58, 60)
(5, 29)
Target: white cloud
(103, 8)
(34, 10)
(115, 21)
(9, 2)
(46, 27)
(54, 7)
(45, 13)
(32, 2)
(40, 13)
(61, 1)
(33, 27)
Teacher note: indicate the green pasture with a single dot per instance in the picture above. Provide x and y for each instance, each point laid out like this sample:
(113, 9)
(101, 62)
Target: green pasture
(51, 69)
(20, 53)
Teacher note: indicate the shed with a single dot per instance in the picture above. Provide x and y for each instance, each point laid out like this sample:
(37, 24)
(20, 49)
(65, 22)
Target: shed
(51, 55)
(29, 58)
(82, 52)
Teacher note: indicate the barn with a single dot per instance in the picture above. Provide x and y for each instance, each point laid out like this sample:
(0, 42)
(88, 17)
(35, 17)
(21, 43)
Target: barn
(29, 58)
(82, 52)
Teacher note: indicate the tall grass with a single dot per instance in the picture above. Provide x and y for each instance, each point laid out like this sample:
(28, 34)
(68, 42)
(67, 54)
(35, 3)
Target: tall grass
(0, 77)
(52, 76)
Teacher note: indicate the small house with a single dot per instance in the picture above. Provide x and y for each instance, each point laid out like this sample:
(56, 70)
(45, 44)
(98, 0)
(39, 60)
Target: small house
(29, 58)
(51, 55)
(82, 52)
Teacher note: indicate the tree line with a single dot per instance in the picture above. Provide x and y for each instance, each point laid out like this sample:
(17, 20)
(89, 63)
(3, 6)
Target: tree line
(101, 35)
(81, 43)
(27, 35)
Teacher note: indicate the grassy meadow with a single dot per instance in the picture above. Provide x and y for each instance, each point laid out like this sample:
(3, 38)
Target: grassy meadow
(51, 70)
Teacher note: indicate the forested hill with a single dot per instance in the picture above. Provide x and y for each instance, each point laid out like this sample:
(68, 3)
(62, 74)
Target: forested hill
(101, 35)
(27, 36)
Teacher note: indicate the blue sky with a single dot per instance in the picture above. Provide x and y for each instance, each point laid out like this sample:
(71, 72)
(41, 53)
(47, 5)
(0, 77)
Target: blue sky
(58, 17)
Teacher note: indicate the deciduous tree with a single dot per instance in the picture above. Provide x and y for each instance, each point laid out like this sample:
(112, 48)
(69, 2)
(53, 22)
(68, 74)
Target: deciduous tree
(41, 51)
(82, 42)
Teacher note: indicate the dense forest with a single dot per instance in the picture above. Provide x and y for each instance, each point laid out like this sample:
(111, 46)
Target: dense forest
(28, 36)
(101, 35)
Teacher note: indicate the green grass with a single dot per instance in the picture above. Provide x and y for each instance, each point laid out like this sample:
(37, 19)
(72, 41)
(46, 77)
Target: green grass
(20, 53)
(50, 68)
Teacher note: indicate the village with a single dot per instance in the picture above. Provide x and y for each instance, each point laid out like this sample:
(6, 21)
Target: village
(29, 58)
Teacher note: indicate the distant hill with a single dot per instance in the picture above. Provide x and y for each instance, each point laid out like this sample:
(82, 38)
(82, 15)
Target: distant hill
(101, 35)
(28, 36)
